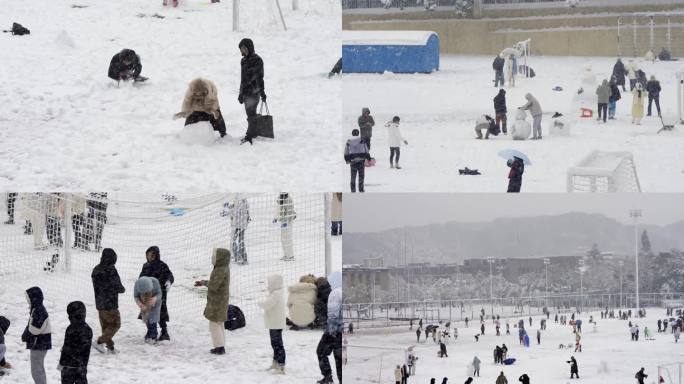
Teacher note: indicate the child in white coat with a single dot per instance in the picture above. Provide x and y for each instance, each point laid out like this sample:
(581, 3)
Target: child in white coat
(274, 320)
(394, 140)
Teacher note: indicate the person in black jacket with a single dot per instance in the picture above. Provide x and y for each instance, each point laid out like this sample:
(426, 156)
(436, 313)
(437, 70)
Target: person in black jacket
(574, 370)
(501, 110)
(73, 362)
(619, 73)
(498, 66)
(4, 326)
(641, 376)
(321, 308)
(515, 175)
(653, 89)
(159, 270)
(107, 286)
(125, 66)
(37, 334)
(524, 379)
(251, 85)
(613, 99)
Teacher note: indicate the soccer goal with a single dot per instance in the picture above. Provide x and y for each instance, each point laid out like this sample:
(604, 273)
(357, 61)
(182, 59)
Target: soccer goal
(55, 239)
(374, 363)
(256, 10)
(604, 172)
(672, 373)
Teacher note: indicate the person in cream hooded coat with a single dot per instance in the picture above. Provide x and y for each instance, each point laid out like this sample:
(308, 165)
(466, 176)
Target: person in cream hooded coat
(274, 320)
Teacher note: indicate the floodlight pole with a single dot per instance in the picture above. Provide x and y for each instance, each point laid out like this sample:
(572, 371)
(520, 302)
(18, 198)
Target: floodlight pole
(236, 15)
(636, 214)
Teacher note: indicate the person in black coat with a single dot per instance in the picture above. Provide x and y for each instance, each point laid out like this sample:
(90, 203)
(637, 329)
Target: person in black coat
(498, 66)
(653, 89)
(469, 380)
(524, 379)
(321, 308)
(442, 349)
(612, 100)
(500, 110)
(37, 334)
(125, 65)
(641, 376)
(515, 175)
(73, 362)
(159, 270)
(4, 326)
(574, 370)
(619, 73)
(107, 286)
(251, 85)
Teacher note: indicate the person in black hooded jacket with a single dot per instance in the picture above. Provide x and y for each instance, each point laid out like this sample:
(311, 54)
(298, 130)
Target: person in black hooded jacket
(159, 270)
(125, 65)
(4, 326)
(251, 85)
(501, 110)
(73, 362)
(107, 286)
(37, 334)
(321, 308)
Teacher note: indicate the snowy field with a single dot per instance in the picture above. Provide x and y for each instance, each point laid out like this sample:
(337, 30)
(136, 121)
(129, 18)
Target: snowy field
(184, 243)
(438, 113)
(608, 355)
(64, 125)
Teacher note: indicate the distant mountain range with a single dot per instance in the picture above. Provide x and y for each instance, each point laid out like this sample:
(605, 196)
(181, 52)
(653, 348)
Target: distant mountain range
(567, 234)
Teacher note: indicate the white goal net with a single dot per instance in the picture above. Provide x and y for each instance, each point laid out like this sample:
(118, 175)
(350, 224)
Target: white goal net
(672, 373)
(54, 240)
(604, 172)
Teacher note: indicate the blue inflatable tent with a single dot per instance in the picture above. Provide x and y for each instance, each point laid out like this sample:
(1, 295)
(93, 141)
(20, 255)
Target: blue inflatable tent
(390, 51)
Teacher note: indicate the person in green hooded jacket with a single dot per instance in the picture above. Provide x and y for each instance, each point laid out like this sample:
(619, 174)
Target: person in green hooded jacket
(218, 292)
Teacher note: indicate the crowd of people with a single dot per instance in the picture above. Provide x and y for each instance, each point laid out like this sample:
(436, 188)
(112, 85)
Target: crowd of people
(320, 307)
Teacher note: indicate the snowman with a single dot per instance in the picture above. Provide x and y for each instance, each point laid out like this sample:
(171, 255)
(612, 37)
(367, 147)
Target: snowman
(521, 127)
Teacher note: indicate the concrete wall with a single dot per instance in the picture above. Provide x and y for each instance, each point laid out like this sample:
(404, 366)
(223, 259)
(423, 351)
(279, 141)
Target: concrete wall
(564, 36)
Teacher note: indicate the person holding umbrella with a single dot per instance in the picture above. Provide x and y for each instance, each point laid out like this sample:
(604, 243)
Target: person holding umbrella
(516, 161)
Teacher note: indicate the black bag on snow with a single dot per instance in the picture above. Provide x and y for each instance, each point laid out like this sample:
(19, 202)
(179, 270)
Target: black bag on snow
(264, 123)
(18, 29)
(236, 319)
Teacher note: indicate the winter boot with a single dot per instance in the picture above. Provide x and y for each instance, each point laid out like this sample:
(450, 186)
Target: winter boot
(279, 369)
(150, 341)
(391, 165)
(287, 258)
(99, 347)
(325, 380)
(397, 166)
(218, 351)
(9, 222)
(274, 365)
(164, 335)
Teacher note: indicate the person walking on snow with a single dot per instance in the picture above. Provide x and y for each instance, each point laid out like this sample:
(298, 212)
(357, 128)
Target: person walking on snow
(536, 111)
(603, 94)
(394, 138)
(251, 86)
(397, 375)
(498, 66)
(366, 123)
(158, 269)
(218, 293)
(73, 361)
(500, 110)
(285, 216)
(476, 366)
(501, 379)
(653, 89)
(517, 166)
(640, 376)
(356, 152)
(574, 370)
(619, 73)
(638, 96)
(614, 97)
(107, 286)
(37, 334)
(274, 320)
(510, 74)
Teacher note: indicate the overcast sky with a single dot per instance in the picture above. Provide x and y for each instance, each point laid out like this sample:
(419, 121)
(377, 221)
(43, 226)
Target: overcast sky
(372, 212)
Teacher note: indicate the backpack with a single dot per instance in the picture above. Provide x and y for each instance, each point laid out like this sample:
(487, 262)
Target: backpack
(18, 29)
(236, 319)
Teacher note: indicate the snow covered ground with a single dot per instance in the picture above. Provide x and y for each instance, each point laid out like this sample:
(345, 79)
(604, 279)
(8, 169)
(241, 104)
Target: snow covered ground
(65, 126)
(184, 244)
(608, 355)
(438, 113)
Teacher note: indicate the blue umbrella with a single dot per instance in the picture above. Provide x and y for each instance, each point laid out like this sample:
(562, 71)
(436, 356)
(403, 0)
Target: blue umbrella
(510, 153)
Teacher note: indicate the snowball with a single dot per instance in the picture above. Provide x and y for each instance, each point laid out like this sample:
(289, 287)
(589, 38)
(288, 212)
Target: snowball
(201, 133)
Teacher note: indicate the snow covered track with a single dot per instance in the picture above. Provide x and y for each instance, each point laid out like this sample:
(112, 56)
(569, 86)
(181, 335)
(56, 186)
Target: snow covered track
(64, 125)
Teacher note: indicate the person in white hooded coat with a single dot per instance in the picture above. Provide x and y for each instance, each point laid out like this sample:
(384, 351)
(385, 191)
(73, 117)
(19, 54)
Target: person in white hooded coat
(274, 320)
(301, 301)
(238, 212)
(394, 139)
